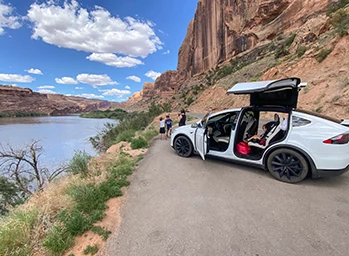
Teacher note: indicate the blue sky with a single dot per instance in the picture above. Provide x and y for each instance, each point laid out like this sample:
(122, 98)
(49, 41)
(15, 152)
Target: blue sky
(96, 49)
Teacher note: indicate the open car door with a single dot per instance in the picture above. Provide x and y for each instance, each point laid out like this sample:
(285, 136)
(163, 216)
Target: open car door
(201, 141)
(274, 93)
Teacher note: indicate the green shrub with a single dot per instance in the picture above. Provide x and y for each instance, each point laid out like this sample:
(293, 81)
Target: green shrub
(91, 249)
(333, 7)
(301, 50)
(281, 51)
(189, 101)
(15, 233)
(125, 136)
(79, 163)
(104, 233)
(139, 142)
(323, 54)
(58, 240)
(289, 40)
(75, 222)
(149, 133)
(340, 22)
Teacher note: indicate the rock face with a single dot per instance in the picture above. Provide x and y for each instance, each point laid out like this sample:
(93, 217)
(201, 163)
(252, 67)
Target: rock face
(222, 29)
(16, 99)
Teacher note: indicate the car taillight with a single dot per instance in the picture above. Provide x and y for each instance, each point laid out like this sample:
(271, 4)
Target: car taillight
(340, 139)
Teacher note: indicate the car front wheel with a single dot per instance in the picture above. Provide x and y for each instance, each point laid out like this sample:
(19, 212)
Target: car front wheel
(287, 165)
(183, 146)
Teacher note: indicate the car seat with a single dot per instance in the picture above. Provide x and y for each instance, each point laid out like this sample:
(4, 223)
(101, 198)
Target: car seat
(269, 134)
(227, 132)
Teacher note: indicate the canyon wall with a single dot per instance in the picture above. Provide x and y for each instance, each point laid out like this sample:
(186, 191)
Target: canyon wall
(222, 29)
(16, 99)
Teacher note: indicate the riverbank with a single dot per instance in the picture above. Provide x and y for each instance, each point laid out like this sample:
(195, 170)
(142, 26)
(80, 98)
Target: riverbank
(55, 219)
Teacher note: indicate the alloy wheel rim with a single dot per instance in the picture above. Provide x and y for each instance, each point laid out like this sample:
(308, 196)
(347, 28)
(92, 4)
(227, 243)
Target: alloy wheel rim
(287, 166)
(182, 146)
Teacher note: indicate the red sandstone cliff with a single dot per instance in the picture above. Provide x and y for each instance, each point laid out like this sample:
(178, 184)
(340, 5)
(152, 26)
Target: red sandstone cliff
(222, 29)
(16, 99)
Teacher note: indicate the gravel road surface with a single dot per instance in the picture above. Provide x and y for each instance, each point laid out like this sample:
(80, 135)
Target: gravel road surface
(186, 206)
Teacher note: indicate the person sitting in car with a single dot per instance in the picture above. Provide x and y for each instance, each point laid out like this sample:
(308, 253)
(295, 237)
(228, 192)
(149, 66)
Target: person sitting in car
(260, 139)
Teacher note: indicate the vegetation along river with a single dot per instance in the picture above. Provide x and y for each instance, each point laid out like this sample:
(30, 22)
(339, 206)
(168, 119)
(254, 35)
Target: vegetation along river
(60, 136)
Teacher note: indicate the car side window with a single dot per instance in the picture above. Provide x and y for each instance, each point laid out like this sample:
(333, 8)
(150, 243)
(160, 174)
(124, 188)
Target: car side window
(299, 121)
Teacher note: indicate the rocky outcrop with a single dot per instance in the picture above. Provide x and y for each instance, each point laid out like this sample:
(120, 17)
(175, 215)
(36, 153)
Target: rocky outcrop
(222, 29)
(16, 99)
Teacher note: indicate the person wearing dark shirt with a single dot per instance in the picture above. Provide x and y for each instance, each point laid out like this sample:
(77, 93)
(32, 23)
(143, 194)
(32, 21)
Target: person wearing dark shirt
(168, 122)
(182, 118)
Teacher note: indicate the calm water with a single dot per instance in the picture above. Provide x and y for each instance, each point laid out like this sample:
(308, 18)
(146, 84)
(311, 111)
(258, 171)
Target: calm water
(59, 136)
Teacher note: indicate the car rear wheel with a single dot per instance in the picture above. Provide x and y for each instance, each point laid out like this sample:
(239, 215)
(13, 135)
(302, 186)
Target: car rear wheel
(287, 165)
(183, 146)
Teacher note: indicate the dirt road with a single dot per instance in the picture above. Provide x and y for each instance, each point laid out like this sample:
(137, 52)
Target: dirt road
(186, 206)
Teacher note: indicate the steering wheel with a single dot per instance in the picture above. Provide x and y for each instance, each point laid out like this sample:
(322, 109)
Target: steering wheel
(218, 125)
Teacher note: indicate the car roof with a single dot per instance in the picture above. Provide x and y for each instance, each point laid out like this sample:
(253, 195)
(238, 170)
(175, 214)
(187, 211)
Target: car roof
(225, 111)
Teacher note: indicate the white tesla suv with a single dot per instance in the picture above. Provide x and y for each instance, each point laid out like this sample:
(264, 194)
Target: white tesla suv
(293, 144)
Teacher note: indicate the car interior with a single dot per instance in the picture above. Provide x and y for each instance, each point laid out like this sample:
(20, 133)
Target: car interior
(251, 124)
(219, 130)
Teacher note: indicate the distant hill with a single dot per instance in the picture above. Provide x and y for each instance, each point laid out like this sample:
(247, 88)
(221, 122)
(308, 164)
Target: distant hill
(24, 100)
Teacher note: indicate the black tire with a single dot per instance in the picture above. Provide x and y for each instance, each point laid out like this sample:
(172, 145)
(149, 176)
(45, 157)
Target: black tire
(183, 146)
(287, 165)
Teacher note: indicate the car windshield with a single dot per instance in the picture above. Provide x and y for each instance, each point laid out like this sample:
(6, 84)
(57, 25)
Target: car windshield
(204, 120)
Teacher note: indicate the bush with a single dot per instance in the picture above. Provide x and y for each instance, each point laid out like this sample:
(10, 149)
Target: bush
(15, 233)
(58, 240)
(91, 249)
(79, 163)
(125, 136)
(189, 101)
(281, 51)
(333, 7)
(340, 22)
(149, 133)
(140, 142)
(301, 50)
(289, 40)
(323, 54)
(104, 233)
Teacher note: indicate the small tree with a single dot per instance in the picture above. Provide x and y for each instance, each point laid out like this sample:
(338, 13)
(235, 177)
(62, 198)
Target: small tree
(10, 195)
(21, 167)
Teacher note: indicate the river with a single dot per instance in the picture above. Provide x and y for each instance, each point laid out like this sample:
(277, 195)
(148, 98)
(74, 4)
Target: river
(60, 136)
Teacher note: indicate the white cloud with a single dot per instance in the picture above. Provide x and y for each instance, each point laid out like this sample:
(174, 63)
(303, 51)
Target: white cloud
(46, 87)
(79, 88)
(90, 96)
(16, 78)
(111, 59)
(34, 71)
(134, 78)
(152, 74)
(6, 20)
(167, 52)
(115, 92)
(45, 91)
(95, 80)
(127, 87)
(71, 26)
(66, 80)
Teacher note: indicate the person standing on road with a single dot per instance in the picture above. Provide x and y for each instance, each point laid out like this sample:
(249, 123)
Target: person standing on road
(182, 118)
(162, 128)
(168, 123)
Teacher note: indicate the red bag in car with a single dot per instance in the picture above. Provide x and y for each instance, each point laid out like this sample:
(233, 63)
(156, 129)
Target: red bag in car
(243, 148)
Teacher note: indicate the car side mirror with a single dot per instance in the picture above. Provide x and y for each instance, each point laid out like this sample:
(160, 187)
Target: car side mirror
(194, 125)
